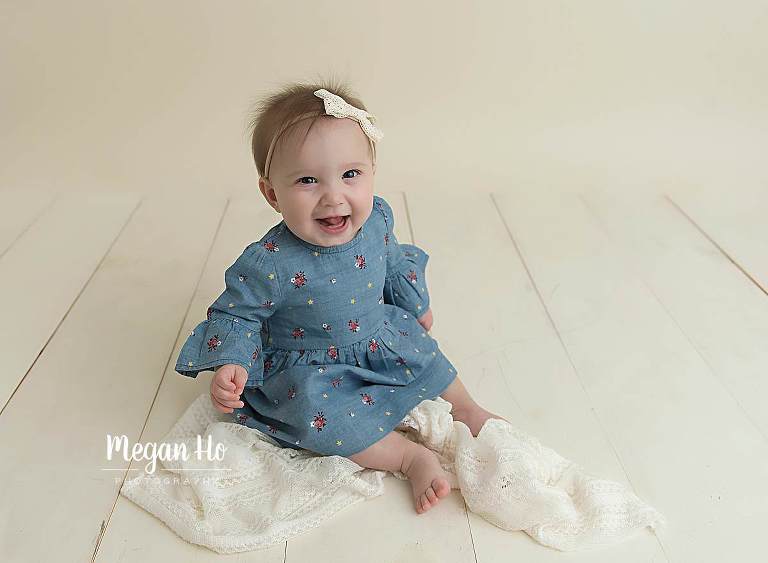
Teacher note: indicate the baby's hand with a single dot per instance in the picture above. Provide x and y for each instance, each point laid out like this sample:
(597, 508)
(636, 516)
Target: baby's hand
(226, 386)
(426, 319)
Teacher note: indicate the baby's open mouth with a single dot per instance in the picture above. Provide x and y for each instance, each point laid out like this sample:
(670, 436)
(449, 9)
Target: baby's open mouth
(336, 221)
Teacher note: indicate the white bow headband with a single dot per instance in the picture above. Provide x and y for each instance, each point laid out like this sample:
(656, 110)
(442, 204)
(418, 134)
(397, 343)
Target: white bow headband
(337, 107)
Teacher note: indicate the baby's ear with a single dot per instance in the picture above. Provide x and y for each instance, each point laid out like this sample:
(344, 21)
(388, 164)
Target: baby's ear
(265, 186)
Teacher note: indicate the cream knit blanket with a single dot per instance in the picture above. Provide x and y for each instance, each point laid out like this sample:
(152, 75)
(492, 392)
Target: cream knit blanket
(258, 494)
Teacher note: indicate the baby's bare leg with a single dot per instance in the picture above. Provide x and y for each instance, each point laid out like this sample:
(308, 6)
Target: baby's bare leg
(465, 409)
(458, 396)
(394, 452)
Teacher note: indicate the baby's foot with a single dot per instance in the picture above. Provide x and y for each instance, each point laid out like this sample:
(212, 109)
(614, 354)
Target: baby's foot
(474, 417)
(427, 477)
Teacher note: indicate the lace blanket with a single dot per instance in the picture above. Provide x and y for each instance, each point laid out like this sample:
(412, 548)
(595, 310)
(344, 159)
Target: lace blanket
(259, 494)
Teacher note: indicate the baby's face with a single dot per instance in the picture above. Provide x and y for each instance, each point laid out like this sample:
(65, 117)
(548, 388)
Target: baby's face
(329, 174)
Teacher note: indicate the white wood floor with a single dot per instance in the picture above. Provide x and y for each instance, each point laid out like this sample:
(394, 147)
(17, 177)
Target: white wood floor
(628, 333)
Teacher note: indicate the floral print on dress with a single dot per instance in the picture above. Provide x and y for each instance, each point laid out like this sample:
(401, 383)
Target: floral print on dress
(299, 279)
(318, 421)
(367, 399)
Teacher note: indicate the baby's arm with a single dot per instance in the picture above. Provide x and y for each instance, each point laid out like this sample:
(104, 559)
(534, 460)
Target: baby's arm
(229, 340)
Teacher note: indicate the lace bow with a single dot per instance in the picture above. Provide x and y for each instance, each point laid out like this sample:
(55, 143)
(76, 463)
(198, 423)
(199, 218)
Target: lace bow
(338, 107)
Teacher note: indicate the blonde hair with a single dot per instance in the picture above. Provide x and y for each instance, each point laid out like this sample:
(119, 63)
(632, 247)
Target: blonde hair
(274, 111)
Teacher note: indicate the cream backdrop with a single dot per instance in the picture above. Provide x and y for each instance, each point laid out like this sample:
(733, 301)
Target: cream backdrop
(154, 95)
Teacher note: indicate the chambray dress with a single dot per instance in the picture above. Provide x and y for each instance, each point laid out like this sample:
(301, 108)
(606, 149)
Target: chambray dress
(329, 336)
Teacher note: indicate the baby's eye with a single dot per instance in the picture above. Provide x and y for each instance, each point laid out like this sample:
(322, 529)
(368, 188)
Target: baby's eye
(358, 173)
(304, 178)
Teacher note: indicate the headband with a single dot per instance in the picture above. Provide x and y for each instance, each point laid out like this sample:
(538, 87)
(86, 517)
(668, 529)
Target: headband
(337, 107)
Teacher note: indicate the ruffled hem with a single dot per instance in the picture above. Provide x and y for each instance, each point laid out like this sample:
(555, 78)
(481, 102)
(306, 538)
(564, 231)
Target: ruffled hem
(341, 409)
(389, 350)
(407, 287)
(223, 340)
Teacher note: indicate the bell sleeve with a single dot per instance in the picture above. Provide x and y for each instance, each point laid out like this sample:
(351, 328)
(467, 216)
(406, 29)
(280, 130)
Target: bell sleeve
(232, 331)
(405, 284)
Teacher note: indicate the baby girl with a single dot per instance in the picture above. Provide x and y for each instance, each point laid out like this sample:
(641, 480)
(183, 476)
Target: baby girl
(320, 338)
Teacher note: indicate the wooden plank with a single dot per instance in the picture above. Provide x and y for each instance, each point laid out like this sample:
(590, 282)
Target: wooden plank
(686, 445)
(722, 313)
(98, 375)
(134, 534)
(490, 321)
(20, 210)
(43, 272)
(734, 222)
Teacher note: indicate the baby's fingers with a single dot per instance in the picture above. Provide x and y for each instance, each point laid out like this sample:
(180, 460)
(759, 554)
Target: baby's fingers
(219, 407)
(225, 393)
(224, 399)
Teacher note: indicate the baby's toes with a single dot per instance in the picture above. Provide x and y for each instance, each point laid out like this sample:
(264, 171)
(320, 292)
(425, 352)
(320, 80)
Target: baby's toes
(441, 487)
(431, 495)
(425, 504)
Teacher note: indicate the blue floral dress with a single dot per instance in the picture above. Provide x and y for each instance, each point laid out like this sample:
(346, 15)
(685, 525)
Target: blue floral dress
(329, 336)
